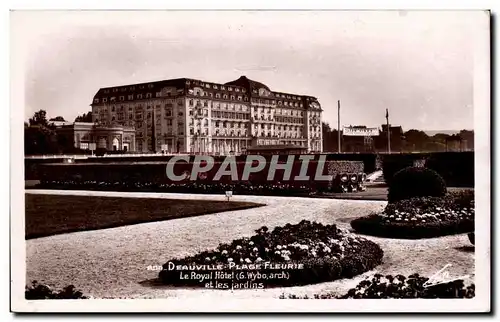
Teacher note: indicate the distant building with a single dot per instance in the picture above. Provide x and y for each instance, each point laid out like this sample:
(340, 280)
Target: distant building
(79, 135)
(187, 115)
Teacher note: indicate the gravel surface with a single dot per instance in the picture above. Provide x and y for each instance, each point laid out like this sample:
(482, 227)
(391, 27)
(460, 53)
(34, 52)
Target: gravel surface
(112, 263)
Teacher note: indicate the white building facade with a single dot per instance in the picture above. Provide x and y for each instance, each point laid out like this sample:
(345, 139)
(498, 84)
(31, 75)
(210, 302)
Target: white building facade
(194, 116)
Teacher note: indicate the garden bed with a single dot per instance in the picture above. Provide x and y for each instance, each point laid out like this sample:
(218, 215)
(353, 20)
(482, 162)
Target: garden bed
(401, 287)
(421, 217)
(301, 254)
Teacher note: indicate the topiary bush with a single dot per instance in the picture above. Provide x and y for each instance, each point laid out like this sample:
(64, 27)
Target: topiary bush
(415, 182)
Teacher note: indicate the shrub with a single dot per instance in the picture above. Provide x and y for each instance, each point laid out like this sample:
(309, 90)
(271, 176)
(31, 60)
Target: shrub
(37, 291)
(391, 164)
(415, 182)
(324, 252)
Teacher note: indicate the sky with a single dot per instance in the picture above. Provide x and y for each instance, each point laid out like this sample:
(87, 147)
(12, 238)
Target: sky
(419, 65)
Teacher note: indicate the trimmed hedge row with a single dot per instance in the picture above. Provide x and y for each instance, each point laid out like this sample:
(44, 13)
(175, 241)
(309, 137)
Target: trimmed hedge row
(153, 174)
(456, 168)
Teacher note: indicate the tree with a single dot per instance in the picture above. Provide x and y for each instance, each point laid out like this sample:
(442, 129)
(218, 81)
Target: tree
(58, 118)
(416, 140)
(85, 117)
(39, 118)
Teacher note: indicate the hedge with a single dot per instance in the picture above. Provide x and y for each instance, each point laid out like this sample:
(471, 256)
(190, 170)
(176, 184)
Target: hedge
(154, 173)
(456, 168)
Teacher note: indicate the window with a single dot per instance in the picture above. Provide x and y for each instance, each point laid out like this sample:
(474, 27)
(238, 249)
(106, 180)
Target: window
(139, 96)
(191, 102)
(96, 100)
(205, 104)
(188, 82)
(131, 97)
(148, 95)
(237, 89)
(104, 100)
(223, 88)
(217, 95)
(225, 96)
(141, 87)
(239, 98)
(158, 94)
(232, 97)
(112, 99)
(122, 98)
(150, 86)
(106, 91)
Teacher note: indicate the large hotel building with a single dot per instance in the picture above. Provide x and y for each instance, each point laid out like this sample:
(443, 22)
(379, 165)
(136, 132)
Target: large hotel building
(191, 116)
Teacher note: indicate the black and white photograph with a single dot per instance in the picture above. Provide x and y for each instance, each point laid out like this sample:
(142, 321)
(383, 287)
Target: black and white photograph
(250, 161)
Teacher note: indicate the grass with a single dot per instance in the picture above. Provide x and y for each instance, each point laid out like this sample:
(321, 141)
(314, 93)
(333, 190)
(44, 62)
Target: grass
(48, 215)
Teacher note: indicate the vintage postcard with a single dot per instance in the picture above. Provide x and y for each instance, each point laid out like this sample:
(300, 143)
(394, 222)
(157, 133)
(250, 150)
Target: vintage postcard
(250, 161)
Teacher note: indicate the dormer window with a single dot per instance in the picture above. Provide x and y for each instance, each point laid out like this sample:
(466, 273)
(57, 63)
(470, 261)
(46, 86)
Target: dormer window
(141, 87)
(215, 86)
(104, 100)
(149, 95)
(150, 85)
(139, 96)
(188, 82)
(230, 89)
(244, 90)
(131, 97)
(115, 90)
(237, 89)
(123, 89)
(96, 100)
(122, 98)
(207, 85)
(223, 88)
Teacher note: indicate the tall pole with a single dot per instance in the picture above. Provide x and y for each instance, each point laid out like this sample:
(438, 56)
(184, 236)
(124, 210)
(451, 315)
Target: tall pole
(338, 127)
(388, 131)
(153, 131)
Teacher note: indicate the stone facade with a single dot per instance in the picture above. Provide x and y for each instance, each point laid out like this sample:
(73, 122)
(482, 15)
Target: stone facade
(194, 116)
(80, 135)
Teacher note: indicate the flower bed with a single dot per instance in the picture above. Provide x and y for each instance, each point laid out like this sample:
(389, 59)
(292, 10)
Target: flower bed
(301, 254)
(37, 291)
(402, 287)
(421, 217)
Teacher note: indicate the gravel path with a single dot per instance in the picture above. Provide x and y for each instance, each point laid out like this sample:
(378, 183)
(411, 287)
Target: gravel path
(112, 263)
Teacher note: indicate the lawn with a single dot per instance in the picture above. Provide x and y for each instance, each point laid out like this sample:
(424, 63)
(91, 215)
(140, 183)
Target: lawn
(48, 215)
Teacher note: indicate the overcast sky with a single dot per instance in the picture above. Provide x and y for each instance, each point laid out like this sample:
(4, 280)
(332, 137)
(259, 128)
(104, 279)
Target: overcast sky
(419, 65)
